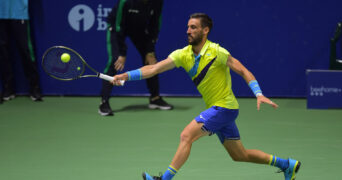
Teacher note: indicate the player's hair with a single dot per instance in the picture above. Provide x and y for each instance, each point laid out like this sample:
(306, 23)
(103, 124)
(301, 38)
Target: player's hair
(205, 20)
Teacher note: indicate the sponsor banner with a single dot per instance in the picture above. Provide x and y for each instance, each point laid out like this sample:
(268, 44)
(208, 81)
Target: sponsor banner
(81, 25)
(81, 17)
(324, 89)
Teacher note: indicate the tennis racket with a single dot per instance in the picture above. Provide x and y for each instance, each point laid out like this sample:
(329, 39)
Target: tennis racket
(70, 70)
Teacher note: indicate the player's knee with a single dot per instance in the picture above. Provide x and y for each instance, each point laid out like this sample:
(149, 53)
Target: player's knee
(185, 137)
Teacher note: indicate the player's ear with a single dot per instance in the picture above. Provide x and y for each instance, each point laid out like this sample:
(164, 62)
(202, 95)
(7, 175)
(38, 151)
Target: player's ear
(206, 30)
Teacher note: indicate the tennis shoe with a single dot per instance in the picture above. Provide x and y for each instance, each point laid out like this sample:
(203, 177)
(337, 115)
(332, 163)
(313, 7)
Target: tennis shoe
(105, 109)
(148, 177)
(290, 172)
(8, 95)
(35, 95)
(159, 104)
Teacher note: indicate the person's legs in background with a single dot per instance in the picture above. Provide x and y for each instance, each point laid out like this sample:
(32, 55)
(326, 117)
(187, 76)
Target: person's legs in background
(113, 54)
(105, 109)
(148, 58)
(24, 44)
(5, 63)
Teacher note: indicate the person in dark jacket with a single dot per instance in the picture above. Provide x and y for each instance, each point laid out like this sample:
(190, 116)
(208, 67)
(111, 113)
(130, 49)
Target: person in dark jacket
(140, 21)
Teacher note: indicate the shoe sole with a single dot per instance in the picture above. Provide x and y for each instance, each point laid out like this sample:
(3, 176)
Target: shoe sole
(105, 114)
(35, 99)
(297, 169)
(153, 106)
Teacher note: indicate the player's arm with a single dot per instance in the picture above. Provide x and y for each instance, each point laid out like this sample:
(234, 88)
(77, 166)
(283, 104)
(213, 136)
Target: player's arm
(240, 69)
(145, 71)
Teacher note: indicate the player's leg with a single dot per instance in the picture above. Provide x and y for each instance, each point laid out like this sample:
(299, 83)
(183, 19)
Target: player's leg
(113, 54)
(147, 52)
(5, 63)
(238, 153)
(22, 31)
(190, 134)
(207, 123)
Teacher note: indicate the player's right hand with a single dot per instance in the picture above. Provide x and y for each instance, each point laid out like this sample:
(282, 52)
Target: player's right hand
(119, 78)
(119, 64)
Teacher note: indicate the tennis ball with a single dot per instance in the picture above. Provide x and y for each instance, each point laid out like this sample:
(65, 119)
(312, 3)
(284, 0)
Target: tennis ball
(78, 68)
(65, 57)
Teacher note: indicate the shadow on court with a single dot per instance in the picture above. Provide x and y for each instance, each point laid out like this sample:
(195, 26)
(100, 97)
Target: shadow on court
(137, 107)
(144, 107)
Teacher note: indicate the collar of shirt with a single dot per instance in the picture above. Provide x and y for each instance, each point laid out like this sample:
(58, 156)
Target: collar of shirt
(205, 47)
(193, 70)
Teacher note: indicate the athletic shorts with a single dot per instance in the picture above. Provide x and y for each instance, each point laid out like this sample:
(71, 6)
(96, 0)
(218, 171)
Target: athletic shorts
(220, 121)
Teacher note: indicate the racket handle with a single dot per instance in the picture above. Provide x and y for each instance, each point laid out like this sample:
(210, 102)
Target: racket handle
(110, 78)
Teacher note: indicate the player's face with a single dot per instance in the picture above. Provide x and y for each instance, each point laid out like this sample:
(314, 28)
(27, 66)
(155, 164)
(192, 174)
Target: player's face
(195, 31)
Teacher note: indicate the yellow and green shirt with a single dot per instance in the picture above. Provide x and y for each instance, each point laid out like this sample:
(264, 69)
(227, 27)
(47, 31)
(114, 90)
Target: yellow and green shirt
(209, 72)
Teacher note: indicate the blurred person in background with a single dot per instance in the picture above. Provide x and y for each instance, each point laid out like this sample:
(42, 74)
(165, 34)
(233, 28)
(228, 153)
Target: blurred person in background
(140, 21)
(15, 28)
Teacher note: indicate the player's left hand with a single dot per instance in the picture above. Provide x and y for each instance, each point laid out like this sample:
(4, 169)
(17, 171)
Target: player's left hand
(263, 99)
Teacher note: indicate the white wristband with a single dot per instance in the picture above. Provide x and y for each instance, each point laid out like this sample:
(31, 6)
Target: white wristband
(258, 94)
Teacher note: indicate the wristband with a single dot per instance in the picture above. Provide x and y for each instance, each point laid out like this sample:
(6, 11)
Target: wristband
(134, 75)
(254, 85)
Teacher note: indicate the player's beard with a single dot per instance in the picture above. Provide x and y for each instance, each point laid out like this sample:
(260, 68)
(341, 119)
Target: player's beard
(195, 40)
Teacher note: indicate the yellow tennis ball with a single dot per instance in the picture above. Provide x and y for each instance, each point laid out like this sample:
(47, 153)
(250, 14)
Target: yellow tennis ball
(78, 68)
(65, 57)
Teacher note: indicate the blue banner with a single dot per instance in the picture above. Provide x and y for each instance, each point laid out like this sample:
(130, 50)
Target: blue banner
(276, 40)
(324, 89)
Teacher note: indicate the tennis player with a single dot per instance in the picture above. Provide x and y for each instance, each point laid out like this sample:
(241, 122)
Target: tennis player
(209, 66)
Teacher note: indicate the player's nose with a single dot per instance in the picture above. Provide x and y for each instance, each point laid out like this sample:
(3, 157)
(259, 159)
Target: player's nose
(188, 31)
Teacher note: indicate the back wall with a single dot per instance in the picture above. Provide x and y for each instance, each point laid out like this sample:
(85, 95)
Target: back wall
(276, 40)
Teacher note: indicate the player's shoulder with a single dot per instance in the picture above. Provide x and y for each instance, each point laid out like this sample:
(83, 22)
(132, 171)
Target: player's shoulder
(183, 51)
(185, 48)
(222, 50)
(218, 48)
(180, 55)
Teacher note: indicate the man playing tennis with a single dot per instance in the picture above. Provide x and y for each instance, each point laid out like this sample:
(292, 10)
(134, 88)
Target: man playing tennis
(209, 66)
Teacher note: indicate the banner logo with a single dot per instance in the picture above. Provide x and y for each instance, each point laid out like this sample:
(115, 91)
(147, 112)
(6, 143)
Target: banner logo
(81, 17)
(321, 91)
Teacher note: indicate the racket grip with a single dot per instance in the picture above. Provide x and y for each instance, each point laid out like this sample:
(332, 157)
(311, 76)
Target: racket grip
(110, 78)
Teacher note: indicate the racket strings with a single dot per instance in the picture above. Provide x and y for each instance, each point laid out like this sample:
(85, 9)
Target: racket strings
(54, 66)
